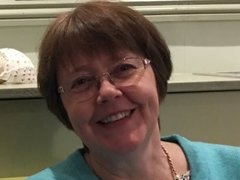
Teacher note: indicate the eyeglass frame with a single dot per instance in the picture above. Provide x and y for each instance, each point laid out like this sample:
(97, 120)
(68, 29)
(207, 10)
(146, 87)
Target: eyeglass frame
(98, 78)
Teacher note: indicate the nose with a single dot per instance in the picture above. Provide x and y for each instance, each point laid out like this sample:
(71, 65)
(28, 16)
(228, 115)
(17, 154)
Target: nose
(108, 92)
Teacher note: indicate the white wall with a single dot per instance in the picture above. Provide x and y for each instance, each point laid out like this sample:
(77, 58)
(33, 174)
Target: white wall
(196, 46)
(203, 46)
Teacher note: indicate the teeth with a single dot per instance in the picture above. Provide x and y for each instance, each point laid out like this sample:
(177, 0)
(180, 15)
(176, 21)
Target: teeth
(116, 117)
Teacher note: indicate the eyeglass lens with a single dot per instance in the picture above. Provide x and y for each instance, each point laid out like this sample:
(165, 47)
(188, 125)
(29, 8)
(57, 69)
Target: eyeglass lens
(124, 73)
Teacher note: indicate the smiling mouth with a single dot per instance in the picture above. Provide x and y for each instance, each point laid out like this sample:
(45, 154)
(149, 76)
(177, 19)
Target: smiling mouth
(116, 117)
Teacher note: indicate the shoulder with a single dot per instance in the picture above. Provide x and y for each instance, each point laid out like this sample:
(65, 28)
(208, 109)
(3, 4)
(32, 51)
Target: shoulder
(212, 151)
(44, 174)
(208, 149)
(74, 167)
(208, 160)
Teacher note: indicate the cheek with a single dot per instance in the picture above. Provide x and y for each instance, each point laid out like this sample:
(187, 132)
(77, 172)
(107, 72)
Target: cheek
(145, 93)
(79, 114)
(142, 95)
(146, 88)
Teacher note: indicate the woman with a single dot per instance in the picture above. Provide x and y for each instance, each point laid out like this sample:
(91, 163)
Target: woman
(103, 69)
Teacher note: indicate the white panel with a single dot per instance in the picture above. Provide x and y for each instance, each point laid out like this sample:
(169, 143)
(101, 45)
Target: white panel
(209, 46)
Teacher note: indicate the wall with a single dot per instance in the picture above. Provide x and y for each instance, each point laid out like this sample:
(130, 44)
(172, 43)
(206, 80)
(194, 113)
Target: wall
(209, 46)
(196, 46)
(202, 37)
(31, 138)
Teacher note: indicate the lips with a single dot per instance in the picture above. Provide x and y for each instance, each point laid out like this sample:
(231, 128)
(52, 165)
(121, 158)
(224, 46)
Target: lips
(116, 117)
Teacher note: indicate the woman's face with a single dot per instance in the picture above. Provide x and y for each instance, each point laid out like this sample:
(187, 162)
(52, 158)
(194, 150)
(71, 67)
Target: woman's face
(117, 119)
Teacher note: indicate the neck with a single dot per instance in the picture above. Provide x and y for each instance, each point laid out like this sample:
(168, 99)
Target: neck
(147, 161)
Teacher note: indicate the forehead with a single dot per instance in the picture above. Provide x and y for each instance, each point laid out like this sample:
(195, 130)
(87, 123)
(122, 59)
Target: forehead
(101, 60)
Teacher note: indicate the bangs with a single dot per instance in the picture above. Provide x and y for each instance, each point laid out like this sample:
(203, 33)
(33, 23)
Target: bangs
(80, 34)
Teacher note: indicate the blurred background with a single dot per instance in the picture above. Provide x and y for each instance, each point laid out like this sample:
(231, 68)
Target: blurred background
(203, 101)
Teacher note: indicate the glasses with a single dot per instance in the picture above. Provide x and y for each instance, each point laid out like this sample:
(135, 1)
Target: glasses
(125, 72)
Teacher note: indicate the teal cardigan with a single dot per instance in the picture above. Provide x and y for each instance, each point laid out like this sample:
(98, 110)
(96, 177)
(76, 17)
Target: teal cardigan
(206, 161)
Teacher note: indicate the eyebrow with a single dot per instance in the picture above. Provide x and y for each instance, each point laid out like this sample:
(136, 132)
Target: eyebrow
(73, 68)
(87, 68)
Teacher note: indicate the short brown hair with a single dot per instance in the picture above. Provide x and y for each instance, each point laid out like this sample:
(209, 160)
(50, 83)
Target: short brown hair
(94, 27)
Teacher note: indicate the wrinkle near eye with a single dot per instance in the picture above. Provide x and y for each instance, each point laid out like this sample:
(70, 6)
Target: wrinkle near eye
(82, 82)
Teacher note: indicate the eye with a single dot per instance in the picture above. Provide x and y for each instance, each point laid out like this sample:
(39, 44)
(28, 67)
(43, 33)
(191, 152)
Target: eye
(82, 83)
(126, 67)
(123, 70)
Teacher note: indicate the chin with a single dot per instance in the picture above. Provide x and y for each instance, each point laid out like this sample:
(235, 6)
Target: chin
(125, 145)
